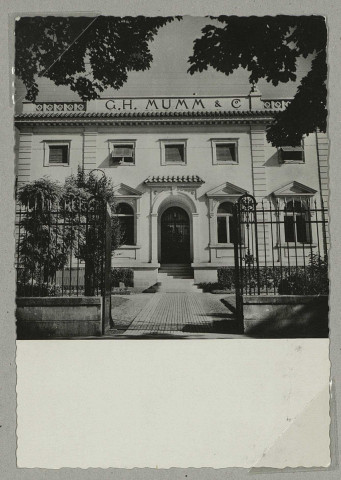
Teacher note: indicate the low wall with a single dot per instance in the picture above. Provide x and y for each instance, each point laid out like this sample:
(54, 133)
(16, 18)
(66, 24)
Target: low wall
(144, 277)
(205, 273)
(52, 317)
(286, 316)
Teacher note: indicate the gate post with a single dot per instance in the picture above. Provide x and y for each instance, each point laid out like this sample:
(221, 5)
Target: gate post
(106, 281)
(237, 272)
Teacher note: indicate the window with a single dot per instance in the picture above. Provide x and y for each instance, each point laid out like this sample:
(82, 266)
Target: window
(225, 152)
(173, 152)
(125, 214)
(296, 222)
(122, 152)
(56, 153)
(291, 154)
(225, 223)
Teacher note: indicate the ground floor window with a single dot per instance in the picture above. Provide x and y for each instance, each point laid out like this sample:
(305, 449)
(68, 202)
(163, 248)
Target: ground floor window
(296, 222)
(225, 223)
(125, 214)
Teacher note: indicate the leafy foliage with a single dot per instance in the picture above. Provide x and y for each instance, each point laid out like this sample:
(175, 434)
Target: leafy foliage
(60, 220)
(41, 249)
(93, 184)
(87, 54)
(125, 275)
(269, 48)
(311, 279)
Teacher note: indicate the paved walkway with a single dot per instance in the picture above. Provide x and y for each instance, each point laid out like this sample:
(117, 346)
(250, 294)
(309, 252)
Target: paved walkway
(182, 314)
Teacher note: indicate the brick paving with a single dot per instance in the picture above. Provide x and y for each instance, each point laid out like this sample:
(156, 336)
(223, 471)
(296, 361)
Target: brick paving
(183, 313)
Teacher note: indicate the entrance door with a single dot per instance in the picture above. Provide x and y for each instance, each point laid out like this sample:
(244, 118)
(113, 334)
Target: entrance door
(175, 236)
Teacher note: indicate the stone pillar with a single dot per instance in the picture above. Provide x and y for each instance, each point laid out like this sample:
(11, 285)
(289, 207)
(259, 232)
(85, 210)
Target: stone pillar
(257, 134)
(196, 237)
(89, 150)
(212, 223)
(154, 236)
(24, 158)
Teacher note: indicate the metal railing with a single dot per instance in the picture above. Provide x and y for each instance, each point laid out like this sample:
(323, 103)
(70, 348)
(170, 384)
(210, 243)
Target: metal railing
(282, 246)
(61, 248)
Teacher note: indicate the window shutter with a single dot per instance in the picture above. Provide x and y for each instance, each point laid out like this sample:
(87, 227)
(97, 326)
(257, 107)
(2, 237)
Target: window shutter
(226, 152)
(232, 229)
(301, 229)
(294, 154)
(58, 154)
(122, 151)
(174, 153)
(289, 228)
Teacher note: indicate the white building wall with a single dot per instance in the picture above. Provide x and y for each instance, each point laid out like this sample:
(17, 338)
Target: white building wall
(258, 171)
(279, 174)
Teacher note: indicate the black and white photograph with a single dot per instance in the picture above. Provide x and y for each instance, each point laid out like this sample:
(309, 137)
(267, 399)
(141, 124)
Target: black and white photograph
(167, 178)
(171, 177)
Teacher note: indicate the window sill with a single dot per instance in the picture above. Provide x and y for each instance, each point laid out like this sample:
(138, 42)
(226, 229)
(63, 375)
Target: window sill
(296, 245)
(175, 163)
(118, 164)
(221, 245)
(57, 165)
(129, 247)
(225, 163)
(283, 162)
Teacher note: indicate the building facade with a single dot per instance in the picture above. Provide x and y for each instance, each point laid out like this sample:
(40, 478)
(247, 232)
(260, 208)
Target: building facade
(178, 164)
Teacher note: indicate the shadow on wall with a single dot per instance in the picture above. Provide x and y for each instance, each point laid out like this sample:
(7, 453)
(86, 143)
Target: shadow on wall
(305, 321)
(108, 163)
(273, 161)
(224, 326)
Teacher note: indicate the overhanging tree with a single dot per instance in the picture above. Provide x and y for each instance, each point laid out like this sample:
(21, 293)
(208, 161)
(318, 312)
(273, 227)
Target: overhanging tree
(87, 54)
(269, 48)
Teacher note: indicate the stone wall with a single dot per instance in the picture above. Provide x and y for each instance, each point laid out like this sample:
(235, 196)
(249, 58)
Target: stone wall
(54, 317)
(286, 316)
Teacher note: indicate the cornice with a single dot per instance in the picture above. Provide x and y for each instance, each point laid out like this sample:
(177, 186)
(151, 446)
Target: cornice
(143, 118)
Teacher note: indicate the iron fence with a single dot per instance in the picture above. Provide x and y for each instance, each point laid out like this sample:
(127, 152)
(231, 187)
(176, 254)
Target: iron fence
(281, 246)
(62, 248)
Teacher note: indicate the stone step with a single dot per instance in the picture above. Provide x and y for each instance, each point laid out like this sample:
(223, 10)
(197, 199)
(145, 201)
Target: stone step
(172, 283)
(171, 265)
(178, 289)
(179, 275)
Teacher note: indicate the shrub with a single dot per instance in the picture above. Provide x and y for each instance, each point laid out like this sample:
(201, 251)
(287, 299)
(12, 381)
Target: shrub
(226, 277)
(125, 275)
(38, 289)
(313, 280)
(309, 280)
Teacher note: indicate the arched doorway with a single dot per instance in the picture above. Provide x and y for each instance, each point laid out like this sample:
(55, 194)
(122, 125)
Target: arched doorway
(175, 236)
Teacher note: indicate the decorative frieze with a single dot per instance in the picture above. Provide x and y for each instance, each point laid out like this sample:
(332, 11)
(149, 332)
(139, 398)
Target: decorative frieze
(275, 104)
(50, 107)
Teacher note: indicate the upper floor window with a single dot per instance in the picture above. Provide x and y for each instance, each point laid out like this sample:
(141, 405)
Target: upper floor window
(173, 152)
(125, 214)
(225, 223)
(122, 152)
(56, 153)
(291, 154)
(296, 222)
(225, 151)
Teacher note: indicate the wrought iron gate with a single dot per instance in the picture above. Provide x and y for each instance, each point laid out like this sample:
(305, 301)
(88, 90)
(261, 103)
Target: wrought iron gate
(245, 250)
(281, 247)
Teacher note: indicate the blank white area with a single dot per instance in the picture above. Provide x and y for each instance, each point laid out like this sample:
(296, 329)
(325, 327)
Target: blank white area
(209, 403)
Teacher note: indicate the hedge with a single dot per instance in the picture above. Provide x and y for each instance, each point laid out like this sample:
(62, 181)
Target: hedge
(309, 280)
(125, 275)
